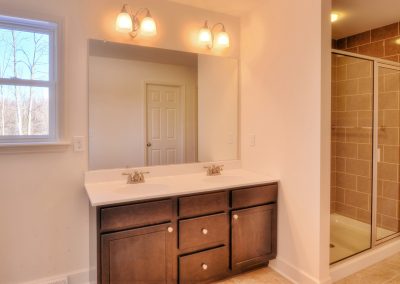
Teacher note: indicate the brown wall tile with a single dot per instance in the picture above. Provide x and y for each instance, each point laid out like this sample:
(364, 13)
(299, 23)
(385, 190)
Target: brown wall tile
(346, 181)
(364, 152)
(357, 199)
(391, 154)
(375, 49)
(358, 167)
(364, 184)
(387, 171)
(359, 39)
(392, 47)
(341, 43)
(385, 32)
(391, 190)
(387, 207)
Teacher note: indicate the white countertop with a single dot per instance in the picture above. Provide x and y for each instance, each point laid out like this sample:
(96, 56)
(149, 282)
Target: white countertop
(117, 191)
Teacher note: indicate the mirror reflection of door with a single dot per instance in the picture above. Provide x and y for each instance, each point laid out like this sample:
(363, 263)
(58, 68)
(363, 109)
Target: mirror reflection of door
(164, 125)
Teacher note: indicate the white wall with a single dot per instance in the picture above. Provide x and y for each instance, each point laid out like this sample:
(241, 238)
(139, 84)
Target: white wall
(282, 105)
(44, 211)
(218, 108)
(117, 109)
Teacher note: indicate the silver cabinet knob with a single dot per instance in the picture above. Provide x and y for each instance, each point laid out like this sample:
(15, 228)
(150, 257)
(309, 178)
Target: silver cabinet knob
(204, 266)
(235, 216)
(170, 229)
(204, 231)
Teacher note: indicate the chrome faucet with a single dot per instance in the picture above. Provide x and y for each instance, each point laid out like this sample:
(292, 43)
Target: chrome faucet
(214, 170)
(135, 177)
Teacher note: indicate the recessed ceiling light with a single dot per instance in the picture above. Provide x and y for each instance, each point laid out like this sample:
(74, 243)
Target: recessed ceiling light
(334, 17)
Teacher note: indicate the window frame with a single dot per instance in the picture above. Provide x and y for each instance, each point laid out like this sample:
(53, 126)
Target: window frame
(50, 29)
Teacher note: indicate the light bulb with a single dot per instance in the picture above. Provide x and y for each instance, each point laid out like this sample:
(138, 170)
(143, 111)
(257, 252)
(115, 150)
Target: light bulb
(148, 26)
(334, 17)
(222, 40)
(124, 21)
(205, 36)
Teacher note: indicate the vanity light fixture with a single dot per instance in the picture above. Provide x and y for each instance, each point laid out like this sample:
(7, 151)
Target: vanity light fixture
(208, 37)
(129, 22)
(334, 17)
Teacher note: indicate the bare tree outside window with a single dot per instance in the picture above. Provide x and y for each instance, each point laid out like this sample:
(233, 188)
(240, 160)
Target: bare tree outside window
(25, 81)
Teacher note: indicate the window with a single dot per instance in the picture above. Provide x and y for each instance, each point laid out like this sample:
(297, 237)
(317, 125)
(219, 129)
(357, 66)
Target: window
(28, 81)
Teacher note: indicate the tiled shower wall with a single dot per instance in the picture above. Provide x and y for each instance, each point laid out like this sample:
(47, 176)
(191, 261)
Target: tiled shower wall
(383, 42)
(388, 143)
(352, 121)
(352, 104)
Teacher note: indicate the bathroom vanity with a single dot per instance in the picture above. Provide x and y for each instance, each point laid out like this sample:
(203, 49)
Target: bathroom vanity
(176, 224)
(188, 235)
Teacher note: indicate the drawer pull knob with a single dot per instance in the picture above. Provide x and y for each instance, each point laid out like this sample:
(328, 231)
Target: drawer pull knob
(204, 231)
(235, 216)
(170, 229)
(204, 266)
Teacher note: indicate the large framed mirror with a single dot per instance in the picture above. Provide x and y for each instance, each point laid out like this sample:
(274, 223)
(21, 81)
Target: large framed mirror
(151, 106)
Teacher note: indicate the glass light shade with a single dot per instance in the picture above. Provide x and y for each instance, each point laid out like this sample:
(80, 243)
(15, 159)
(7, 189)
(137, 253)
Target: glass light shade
(124, 23)
(334, 17)
(205, 36)
(148, 27)
(222, 40)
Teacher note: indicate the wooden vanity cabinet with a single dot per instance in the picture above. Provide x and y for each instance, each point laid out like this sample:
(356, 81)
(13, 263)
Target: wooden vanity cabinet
(197, 238)
(141, 255)
(254, 233)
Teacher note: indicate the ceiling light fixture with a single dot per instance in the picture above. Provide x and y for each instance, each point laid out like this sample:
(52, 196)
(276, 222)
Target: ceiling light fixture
(130, 23)
(209, 38)
(334, 17)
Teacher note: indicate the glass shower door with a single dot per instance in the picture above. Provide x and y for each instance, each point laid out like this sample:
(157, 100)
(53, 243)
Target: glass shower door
(351, 156)
(387, 128)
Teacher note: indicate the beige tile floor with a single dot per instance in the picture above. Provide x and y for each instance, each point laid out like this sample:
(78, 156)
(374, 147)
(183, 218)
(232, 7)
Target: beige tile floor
(263, 275)
(384, 272)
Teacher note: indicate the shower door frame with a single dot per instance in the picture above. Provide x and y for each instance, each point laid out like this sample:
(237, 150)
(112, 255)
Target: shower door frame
(377, 62)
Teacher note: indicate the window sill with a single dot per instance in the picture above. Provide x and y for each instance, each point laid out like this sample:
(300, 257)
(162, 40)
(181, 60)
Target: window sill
(15, 148)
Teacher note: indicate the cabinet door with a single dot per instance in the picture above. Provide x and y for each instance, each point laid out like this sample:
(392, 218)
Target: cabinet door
(138, 256)
(254, 236)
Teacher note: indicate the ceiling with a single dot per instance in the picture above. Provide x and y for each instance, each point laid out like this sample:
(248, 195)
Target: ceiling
(230, 7)
(361, 15)
(355, 15)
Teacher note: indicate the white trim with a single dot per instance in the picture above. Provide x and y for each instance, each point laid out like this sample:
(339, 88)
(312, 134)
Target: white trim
(38, 147)
(84, 276)
(291, 272)
(50, 29)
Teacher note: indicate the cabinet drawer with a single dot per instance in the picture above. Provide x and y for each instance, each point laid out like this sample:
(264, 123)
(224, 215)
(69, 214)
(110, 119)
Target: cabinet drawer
(134, 215)
(254, 196)
(203, 204)
(203, 231)
(204, 266)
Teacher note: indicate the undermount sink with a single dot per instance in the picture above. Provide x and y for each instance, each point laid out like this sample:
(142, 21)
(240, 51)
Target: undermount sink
(221, 178)
(145, 187)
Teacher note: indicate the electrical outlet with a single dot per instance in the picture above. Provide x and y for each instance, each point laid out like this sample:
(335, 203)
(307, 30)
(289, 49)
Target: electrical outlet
(78, 142)
(252, 140)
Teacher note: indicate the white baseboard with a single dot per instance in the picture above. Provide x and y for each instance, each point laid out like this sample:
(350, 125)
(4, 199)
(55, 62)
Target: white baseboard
(75, 277)
(363, 260)
(294, 274)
